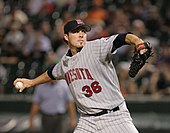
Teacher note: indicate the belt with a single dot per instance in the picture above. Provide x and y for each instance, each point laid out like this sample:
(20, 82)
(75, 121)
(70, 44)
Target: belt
(105, 111)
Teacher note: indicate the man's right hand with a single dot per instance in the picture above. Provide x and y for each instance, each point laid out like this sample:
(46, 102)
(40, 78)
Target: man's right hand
(26, 84)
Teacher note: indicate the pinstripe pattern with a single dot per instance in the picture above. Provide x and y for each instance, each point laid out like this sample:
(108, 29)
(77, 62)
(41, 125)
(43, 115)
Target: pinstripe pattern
(94, 85)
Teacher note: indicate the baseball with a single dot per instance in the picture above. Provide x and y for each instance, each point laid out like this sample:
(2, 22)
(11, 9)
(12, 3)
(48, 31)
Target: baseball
(19, 85)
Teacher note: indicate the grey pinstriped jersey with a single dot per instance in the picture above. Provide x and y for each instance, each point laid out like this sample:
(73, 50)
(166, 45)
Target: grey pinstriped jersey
(91, 76)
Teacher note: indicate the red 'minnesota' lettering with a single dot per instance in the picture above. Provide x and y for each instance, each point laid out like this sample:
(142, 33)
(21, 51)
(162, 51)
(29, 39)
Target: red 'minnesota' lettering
(77, 74)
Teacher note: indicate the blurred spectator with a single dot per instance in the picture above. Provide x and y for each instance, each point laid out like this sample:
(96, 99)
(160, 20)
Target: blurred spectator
(34, 7)
(61, 51)
(164, 54)
(28, 40)
(139, 28)
(50, 59)
(54, 101)
(14, 36)
(98, 31)
(96, 17)
(35, 50)
(9, 58)
(143, 79)
(2, 15)
(136, 11)
(46, 28)
(2, 34)
(16, 16)
(42, 43)
(153, 21)
(96, 13)
(48, 7)
(57, 35)
(69, 8)
(11, 54)
(163, 84)
(160, 81)
(3, 78)
(120, 19)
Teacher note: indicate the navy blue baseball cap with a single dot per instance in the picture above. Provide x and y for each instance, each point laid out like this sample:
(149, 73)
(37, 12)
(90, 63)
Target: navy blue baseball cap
(74, 24)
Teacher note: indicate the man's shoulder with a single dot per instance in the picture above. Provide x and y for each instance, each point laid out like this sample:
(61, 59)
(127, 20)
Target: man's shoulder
(102, 39)
(95, 41)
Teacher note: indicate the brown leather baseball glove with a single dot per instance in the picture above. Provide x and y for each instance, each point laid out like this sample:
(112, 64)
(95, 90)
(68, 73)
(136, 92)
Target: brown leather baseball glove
(138, 59)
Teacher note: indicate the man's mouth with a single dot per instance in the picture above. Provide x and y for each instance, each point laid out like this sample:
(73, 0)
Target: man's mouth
(80, 40)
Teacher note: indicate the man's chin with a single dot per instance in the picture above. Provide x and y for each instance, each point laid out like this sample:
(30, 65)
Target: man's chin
(81, 45)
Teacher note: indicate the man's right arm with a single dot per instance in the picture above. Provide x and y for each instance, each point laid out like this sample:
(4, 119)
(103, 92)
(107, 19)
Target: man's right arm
(27, 83)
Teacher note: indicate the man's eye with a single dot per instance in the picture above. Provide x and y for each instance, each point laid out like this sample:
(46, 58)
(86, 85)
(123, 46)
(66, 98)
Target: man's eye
(83, 31)
(74, 31)
(77, 31)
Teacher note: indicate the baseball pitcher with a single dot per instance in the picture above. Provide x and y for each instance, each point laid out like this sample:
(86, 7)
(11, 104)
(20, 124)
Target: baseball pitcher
(90, 74)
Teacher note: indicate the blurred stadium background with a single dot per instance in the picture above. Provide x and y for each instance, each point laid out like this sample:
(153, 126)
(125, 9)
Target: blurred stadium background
(31, 29)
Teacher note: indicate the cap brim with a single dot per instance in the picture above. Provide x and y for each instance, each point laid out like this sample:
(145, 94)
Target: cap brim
(86, 27)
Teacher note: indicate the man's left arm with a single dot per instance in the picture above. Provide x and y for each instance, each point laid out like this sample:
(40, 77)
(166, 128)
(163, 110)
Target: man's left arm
(142, 52)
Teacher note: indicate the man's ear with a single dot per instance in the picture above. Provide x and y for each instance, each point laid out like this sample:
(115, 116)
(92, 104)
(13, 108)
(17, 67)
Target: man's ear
(66, 37)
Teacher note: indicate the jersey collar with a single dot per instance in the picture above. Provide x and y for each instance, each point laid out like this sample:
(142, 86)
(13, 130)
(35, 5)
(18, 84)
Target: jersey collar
(70, 54)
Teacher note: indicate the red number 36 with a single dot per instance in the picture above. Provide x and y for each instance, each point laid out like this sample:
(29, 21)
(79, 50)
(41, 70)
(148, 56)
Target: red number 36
(94, 88)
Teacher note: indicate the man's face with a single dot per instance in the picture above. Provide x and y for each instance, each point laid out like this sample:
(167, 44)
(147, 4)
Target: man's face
(76, 38)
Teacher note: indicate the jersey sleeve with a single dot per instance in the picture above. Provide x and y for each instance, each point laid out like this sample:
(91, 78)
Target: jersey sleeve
(119, 41)
(103, 47)
(108, 46)
(55, 72)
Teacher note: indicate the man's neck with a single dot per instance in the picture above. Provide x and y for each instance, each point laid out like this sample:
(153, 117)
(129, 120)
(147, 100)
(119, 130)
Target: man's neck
(75, 51)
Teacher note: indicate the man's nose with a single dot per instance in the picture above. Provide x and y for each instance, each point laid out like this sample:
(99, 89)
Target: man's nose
(81, 34)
